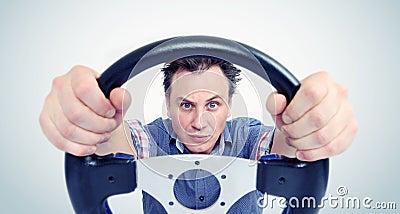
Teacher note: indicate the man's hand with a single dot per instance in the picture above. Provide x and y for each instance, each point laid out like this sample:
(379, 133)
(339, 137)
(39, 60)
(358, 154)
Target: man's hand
(76, 115)
(318, 123)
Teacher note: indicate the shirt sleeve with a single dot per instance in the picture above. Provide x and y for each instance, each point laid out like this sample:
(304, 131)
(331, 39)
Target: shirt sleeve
(264, 143)
(262, 135)
(140, 138)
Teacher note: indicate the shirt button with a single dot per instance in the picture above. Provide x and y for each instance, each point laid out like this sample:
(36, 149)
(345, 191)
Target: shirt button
(201, 198)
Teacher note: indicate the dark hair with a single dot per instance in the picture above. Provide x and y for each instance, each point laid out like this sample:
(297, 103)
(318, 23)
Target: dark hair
(201, 63)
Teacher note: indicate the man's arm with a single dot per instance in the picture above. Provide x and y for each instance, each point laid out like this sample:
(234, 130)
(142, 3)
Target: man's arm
(280, 146)
(120, 141)
(318, 123)
(77, 117)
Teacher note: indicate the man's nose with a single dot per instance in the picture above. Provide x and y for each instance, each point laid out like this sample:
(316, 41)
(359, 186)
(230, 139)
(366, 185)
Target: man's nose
(201, 118)
(196, 119)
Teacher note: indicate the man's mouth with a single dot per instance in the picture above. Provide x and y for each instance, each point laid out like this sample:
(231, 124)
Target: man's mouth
(199, 138)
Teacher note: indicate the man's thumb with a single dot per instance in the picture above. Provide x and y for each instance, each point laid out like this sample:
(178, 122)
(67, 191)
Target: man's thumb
(276, 104)
(121, 100)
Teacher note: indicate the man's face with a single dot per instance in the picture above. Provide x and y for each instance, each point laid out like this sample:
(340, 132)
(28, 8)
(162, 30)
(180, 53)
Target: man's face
(199, 105)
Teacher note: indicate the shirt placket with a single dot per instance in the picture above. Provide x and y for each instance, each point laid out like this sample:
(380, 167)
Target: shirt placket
(200, 191)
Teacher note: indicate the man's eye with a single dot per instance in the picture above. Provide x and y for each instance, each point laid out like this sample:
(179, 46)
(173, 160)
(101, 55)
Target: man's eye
(186, 105)
(212, 105)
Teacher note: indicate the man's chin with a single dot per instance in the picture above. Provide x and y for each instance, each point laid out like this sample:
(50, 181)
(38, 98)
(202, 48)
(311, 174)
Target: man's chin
(199, 148)
(198, 140)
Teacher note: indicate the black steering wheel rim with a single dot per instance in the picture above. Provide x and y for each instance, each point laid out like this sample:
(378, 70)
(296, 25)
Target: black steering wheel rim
(92, 179)
(166, 50)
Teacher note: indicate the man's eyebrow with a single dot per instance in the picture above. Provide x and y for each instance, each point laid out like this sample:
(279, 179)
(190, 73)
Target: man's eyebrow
(215, 97)
(182, 99)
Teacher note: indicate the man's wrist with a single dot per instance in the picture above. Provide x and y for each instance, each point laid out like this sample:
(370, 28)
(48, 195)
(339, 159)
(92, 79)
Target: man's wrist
(279, 145)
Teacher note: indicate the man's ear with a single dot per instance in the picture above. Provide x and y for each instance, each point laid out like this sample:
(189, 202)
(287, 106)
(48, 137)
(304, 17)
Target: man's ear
(167, 104)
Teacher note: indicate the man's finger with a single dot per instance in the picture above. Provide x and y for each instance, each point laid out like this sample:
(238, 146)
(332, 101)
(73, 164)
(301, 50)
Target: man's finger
(75, 133)
(337, 146)
(89, 93)
(60, 142)
(326, 134)
(121, 100)
(312, 91)
(81, 115)
(276, 103)
(316, 118)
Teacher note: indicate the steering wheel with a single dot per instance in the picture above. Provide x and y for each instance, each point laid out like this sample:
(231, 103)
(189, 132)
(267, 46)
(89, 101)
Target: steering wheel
(92, 179)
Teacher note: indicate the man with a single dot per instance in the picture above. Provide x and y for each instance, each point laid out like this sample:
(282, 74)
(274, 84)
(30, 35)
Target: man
(318, 123)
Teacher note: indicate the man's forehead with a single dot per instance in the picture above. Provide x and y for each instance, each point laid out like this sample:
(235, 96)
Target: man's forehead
(212, 80)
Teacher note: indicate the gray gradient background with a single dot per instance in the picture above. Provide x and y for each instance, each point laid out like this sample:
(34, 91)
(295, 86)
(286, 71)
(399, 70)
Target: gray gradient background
(356, 41)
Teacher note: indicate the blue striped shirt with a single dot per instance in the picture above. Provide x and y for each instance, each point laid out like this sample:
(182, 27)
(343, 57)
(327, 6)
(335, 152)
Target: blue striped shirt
(242, 137)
